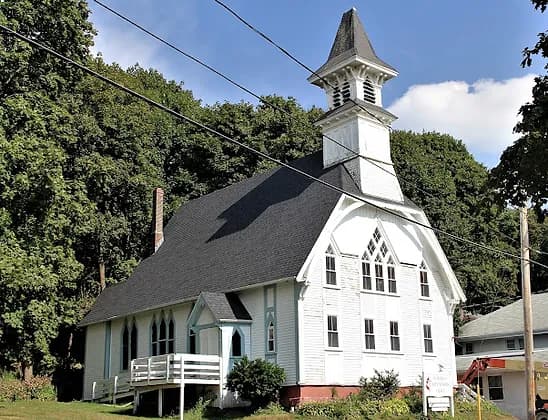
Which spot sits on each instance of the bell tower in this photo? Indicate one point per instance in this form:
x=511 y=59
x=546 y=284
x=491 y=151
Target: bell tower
x=352 y=79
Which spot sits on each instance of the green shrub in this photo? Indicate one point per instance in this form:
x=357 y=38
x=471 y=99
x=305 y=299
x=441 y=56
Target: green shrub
x=40 y=388
x=369 y=408
x=413 y=400
x=272 y=409
x=394 y=407
x=383 y=385
x=12 y=390
x=37 y=388
x=198 y=411
x=256 y=381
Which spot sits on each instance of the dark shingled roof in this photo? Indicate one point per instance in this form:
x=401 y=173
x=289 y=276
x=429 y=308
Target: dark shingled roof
x=225 y=306
x=351 y=40
x=256 y=231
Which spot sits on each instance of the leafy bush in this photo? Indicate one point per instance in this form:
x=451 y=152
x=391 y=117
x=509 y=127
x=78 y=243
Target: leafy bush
x=394 y=407
x=346 y=409
x=382 y=386
x=198 y=411
x=413 y=400
x=38 y=388
x=256 y=381
x=12 y=390
x=272 y=409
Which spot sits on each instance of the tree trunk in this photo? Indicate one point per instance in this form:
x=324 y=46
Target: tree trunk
x=102 y=281
x=26 y=368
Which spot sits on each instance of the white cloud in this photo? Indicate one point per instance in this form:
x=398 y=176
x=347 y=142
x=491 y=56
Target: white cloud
x=125 y=47
x=482 y=114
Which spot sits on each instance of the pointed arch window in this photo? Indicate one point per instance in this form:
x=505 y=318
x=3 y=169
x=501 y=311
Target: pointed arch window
x=423 y=274
x=366 y=272
x=330 y=267
x=129 y=344
x=368 y=91
x=271 y=338
x=377 y=257
x=162 y=335
x=236 y=344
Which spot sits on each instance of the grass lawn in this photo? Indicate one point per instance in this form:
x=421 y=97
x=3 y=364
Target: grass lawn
x=51 y=410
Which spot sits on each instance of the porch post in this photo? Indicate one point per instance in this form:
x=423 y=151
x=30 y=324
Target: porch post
x=160 y=402
x=182 y=400
x=135 y=401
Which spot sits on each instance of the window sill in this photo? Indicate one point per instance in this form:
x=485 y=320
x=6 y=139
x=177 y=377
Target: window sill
x=332 y=286
x=385 y=353
x=425 y=298
x=375 y=292
x=428 y=355
x=334 y=349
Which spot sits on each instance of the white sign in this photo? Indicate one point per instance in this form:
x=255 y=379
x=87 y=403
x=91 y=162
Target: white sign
x=438 y=384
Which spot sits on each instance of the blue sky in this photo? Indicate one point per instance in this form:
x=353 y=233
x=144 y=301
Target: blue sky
x=459 y=62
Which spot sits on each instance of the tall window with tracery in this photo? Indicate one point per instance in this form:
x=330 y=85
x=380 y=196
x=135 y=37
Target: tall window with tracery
x=129 y=344
x=330 y=268
x=425 y=287
x=162 y=335
x=377 y=257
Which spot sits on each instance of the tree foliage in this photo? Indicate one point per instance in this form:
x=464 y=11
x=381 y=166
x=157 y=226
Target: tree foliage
x=439 y=175
x=257 y=381
x=522 y=174
x=80 y=159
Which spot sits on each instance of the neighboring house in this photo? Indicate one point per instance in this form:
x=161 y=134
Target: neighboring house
x=282 y=268
x=497 y=340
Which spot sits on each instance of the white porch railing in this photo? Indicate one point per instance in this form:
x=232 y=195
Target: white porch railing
x=109 y=389
x=177 y=368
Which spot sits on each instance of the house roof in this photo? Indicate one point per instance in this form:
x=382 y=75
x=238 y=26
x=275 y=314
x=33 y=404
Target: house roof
x=508 y=320
x=225 y=306
x=351 y=40
x=253 y=232
x=464 y=362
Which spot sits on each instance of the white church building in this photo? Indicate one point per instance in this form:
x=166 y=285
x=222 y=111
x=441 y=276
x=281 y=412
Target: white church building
x=282 y=268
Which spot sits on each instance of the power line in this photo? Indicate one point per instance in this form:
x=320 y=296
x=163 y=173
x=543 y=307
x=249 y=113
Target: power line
x=253 y=150
x=293 y=58
x=372 y=161
x=237 y=84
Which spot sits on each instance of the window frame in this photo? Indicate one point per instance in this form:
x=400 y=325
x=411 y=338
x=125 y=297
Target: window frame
x=495 y=387
x=427 y=338
x=369 y=334
x=162 y=334
x=395 y=343
x=330 y=268
x=271 y=328
x=423 y=281
x=378 y=263
x=332 y=332
x=128 y=344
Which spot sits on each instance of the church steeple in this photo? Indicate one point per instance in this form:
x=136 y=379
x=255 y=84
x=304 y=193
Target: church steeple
x=352 y=78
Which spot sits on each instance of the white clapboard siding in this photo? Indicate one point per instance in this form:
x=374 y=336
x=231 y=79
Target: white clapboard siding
x=94 y=357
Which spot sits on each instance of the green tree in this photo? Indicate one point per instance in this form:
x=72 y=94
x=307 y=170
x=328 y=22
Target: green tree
x=441 y=176
x=522 y=174
x=41 y=212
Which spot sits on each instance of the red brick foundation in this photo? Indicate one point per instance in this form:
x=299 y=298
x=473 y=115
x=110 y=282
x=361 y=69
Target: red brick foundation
x=292 y=396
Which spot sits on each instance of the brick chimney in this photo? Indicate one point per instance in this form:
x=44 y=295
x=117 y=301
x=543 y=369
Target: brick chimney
x=158 y=218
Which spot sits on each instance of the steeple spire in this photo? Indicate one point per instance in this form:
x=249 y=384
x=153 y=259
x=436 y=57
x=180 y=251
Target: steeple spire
x=352 y=78
x=351 y=40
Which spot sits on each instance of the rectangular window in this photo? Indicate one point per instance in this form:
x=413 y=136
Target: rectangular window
x=425 y=288
x=394 y=336
x=428 y=343
x=369 y=335
x=330 y=272
x=495 y=388
x=391 y=279
x=379 y=283
x=468 y=348
x=332 y=331
x=366 y=276
x=521 y=344
x=511 y=344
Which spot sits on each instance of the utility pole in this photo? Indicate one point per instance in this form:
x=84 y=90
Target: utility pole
x=527 y=313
